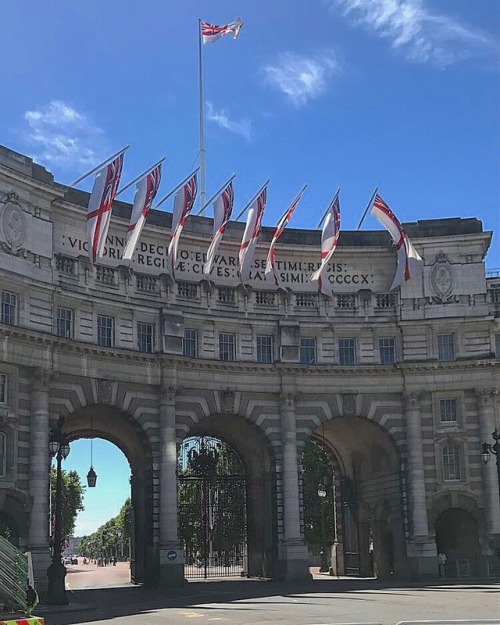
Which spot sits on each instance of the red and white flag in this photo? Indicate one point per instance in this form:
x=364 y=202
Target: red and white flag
x=251 y=234
x=183 y=203
x=280 y=226
x=329 y=241
x=100 y=204
x=211 y=33
x=145 y=192
x=223 y=207
x=410 y=264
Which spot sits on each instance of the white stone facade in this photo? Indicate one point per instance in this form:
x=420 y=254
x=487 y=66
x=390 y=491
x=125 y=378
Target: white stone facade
x=400 y=387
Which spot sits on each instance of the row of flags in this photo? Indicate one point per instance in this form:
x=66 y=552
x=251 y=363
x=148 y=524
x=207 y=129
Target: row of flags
x=104 y=191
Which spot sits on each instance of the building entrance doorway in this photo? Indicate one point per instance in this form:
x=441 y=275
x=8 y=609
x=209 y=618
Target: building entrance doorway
x=212 y=509
x=457 y=537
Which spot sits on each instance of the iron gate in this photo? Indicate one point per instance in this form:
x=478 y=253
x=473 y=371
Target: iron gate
x=212 y=509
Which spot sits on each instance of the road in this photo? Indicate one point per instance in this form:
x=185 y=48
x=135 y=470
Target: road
x=322 y=601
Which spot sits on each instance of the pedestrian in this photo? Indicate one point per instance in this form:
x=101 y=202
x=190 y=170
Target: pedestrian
x=442 y=564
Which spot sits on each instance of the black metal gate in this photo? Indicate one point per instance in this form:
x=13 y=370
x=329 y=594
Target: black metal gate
x=212 y=509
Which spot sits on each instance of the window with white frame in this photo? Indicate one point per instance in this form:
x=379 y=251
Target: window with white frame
x=347 y=351
x=387 y=350
x=9 y=308
x=308 y=351
x=3 y=389
x=64 y=322
x=105 y=331
x=448 y=410
x=446 y=347
x=3 y=454
x=227 y=346
x=452 y=470
x=190 y=343
x=145 y=337
x=265 y=349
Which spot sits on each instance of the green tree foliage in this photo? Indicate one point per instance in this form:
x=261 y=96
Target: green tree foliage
x=71 y=499
x=112 y=538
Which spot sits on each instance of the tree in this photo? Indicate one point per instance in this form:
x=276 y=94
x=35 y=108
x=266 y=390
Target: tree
x=71 y=499
x=112 y=538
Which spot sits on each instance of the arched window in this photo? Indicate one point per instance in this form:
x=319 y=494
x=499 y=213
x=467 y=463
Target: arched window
x=452 y=466
x=3 y=454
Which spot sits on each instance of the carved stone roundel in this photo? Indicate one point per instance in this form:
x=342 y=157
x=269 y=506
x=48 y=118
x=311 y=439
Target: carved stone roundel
x=442 y=281
x=13 y=225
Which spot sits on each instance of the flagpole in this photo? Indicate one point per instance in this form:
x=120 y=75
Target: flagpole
x=140 y=176
x=164 y=199
x=367 y=208
x=329 y=206
x=202 y=130
x=253 y=199
x=98 y=166
x=215 y=195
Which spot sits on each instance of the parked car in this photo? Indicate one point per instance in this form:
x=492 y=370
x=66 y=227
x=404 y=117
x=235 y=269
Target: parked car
x=67 y=560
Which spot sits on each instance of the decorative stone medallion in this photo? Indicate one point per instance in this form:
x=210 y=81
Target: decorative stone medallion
x=442 y=278
x=13 y=225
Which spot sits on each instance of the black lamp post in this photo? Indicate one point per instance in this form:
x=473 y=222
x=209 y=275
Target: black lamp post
x=495 y=450
x=59 y=448
x=322 y=496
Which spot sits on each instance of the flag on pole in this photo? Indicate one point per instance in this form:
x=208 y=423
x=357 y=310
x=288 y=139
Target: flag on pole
x=280 y=226
x=329 y=241
x=100 y=204
x=183 y=203
x=252 y=231
x=223 y=207
x=145 y=192
x=211 y=33
x=410 y=264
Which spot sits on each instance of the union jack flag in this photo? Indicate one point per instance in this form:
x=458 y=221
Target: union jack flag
x=183 y=204
x=211 y=33
x=252 y=231
x=223 y=207
x=100 y=204
x=329 y=241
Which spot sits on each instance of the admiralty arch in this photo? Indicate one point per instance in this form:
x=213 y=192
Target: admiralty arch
x=400 y=388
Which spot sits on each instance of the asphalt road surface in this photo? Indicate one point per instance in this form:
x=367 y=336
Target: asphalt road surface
x=322 y=601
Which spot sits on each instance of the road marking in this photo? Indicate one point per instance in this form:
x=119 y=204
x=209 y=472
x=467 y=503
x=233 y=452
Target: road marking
x=192 y=614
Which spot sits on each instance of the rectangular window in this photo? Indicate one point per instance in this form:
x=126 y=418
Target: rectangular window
x=497 y=345
x=446 y=346
x=347 y=351
x=64 y=322
x=308 y=351
x=3 y=389
x=3 y=454
x=105 y=331
x=227 y=349
x=451 y=463
x=190 y=343
x=448 y=410
x=9 y=308
x=265 y=349
x=387 y=349
x=145 y=337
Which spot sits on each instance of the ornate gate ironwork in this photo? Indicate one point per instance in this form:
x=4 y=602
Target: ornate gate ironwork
x=212 y=509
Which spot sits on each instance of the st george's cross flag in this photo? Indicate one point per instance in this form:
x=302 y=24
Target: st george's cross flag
x=183 y=203
x=410 y=264
x=211 y=33
x=223 y=207
x=329 y=241
x=100 y=204
x=280 y=226
x=145 y=192
x=251 y=234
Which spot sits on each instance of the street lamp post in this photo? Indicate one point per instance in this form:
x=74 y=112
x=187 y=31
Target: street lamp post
x=322 y=496
x=494 y=449
x=59 y=448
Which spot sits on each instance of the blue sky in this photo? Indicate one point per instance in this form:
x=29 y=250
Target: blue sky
x=403 y=94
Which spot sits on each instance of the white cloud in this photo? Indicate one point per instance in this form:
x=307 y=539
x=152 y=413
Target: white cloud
x=302 y=78
x=63 y=137
x=242 y=127
x=422 y=35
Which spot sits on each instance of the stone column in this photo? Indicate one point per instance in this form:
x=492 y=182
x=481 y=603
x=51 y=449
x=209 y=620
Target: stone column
x=293 y=554
x=171 y=553
x=416 y=482
x=486 y=406
x=40 y=478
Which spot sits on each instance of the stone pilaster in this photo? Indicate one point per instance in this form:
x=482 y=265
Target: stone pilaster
x=486 y=407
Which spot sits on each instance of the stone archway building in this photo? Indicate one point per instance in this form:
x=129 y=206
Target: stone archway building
x=154 y=361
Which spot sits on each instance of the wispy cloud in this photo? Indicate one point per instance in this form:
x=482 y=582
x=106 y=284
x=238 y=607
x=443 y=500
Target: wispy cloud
x=422 y=35
x=302 y=78
x=242 y=127
x=61 y=136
